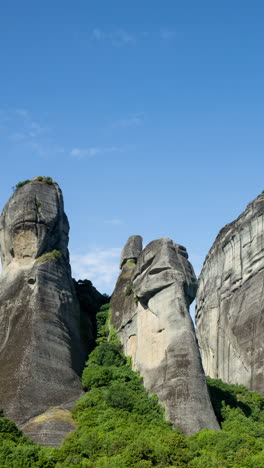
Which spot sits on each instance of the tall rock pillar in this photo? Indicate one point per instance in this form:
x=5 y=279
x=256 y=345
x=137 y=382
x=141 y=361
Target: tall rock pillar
x=42 y=352
x=150 y=310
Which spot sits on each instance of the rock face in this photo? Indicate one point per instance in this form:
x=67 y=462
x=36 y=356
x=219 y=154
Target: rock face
x=131 y=250
x=42 y=349
x=150 y=310
x=52 y=426
x=230 y=301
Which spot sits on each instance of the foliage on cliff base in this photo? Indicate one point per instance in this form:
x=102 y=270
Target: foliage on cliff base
x=121 y=426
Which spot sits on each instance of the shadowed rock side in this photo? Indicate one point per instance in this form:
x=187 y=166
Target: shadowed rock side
x=230 y=301
x=42 y=351
x=150 y=309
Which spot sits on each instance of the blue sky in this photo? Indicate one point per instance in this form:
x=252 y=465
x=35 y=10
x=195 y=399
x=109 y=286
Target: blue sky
x=149 y=114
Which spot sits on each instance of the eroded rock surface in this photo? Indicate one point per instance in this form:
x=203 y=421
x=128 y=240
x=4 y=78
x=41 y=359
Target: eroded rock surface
x=131 y=250
x=150 y=310
x=230 y=301
x=52 y=426
x=42 y=347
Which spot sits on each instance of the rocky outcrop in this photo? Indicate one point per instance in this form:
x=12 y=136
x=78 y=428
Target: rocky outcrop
x=131 y=250
x=42 y=346
x=230 y=301
x=52 y=426
x=150 y=310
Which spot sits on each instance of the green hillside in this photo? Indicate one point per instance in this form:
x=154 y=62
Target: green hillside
x=121 y=426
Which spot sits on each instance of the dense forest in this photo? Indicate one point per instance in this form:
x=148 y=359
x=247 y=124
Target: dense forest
x=121 y=426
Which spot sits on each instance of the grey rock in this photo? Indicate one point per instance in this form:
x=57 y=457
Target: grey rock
x=52 y=426
x=131 y=250
x=230 y=298
x=150 y=310
x=42 y=349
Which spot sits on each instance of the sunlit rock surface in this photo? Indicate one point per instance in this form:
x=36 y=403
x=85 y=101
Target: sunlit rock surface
x=52 y=426
x=150 y=309
x=230 y=301
x=42 y=347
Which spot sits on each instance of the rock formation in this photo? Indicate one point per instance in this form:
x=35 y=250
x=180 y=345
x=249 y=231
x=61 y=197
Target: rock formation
x=230 y=301
x=42 y=347
x=150 y=310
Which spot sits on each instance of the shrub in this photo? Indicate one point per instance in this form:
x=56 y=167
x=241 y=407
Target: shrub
x=49 y=180
x=221 y=392
x=129 y=289
x=21 y=184
x=46 y=180
x=54 y=255
x=107 y=354
x=96 y=376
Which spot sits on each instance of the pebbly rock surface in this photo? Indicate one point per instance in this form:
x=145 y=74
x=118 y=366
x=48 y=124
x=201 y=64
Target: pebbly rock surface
x=42 y=346
x=230 y=301
x=150 y=310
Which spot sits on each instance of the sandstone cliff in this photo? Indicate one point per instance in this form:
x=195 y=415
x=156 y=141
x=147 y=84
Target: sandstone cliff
x=42 y=347
x=150 y=310
x=230 y=301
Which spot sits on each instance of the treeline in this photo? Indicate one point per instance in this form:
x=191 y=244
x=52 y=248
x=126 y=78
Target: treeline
x=121 y=426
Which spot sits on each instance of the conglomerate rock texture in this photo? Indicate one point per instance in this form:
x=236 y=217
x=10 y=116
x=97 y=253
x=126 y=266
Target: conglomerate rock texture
x=230 y=301
x=150 y=310
x=42 y=347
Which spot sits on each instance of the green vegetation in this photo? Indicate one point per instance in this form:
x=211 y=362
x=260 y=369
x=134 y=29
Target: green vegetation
x=46 y=180
x=121 y=426
x=20 y=184
x=131 y=263
x=17 y=451
x=129 y=289
x=240 y=444
x=54 y=255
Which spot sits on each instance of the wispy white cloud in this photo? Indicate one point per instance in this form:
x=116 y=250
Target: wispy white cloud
x=129 y=122
x=46 y=149
x=17 y=136
x=114 y=221
x=19 y=127
x=24 y=113
x=120 y=37
x=167 y=34
x=92 y=151
x=116 y=37
x=31 y=128
x=98 y=34
x=101 y=266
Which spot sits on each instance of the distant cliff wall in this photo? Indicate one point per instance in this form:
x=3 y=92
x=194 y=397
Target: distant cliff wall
x=230 y=301
x=150 y=310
